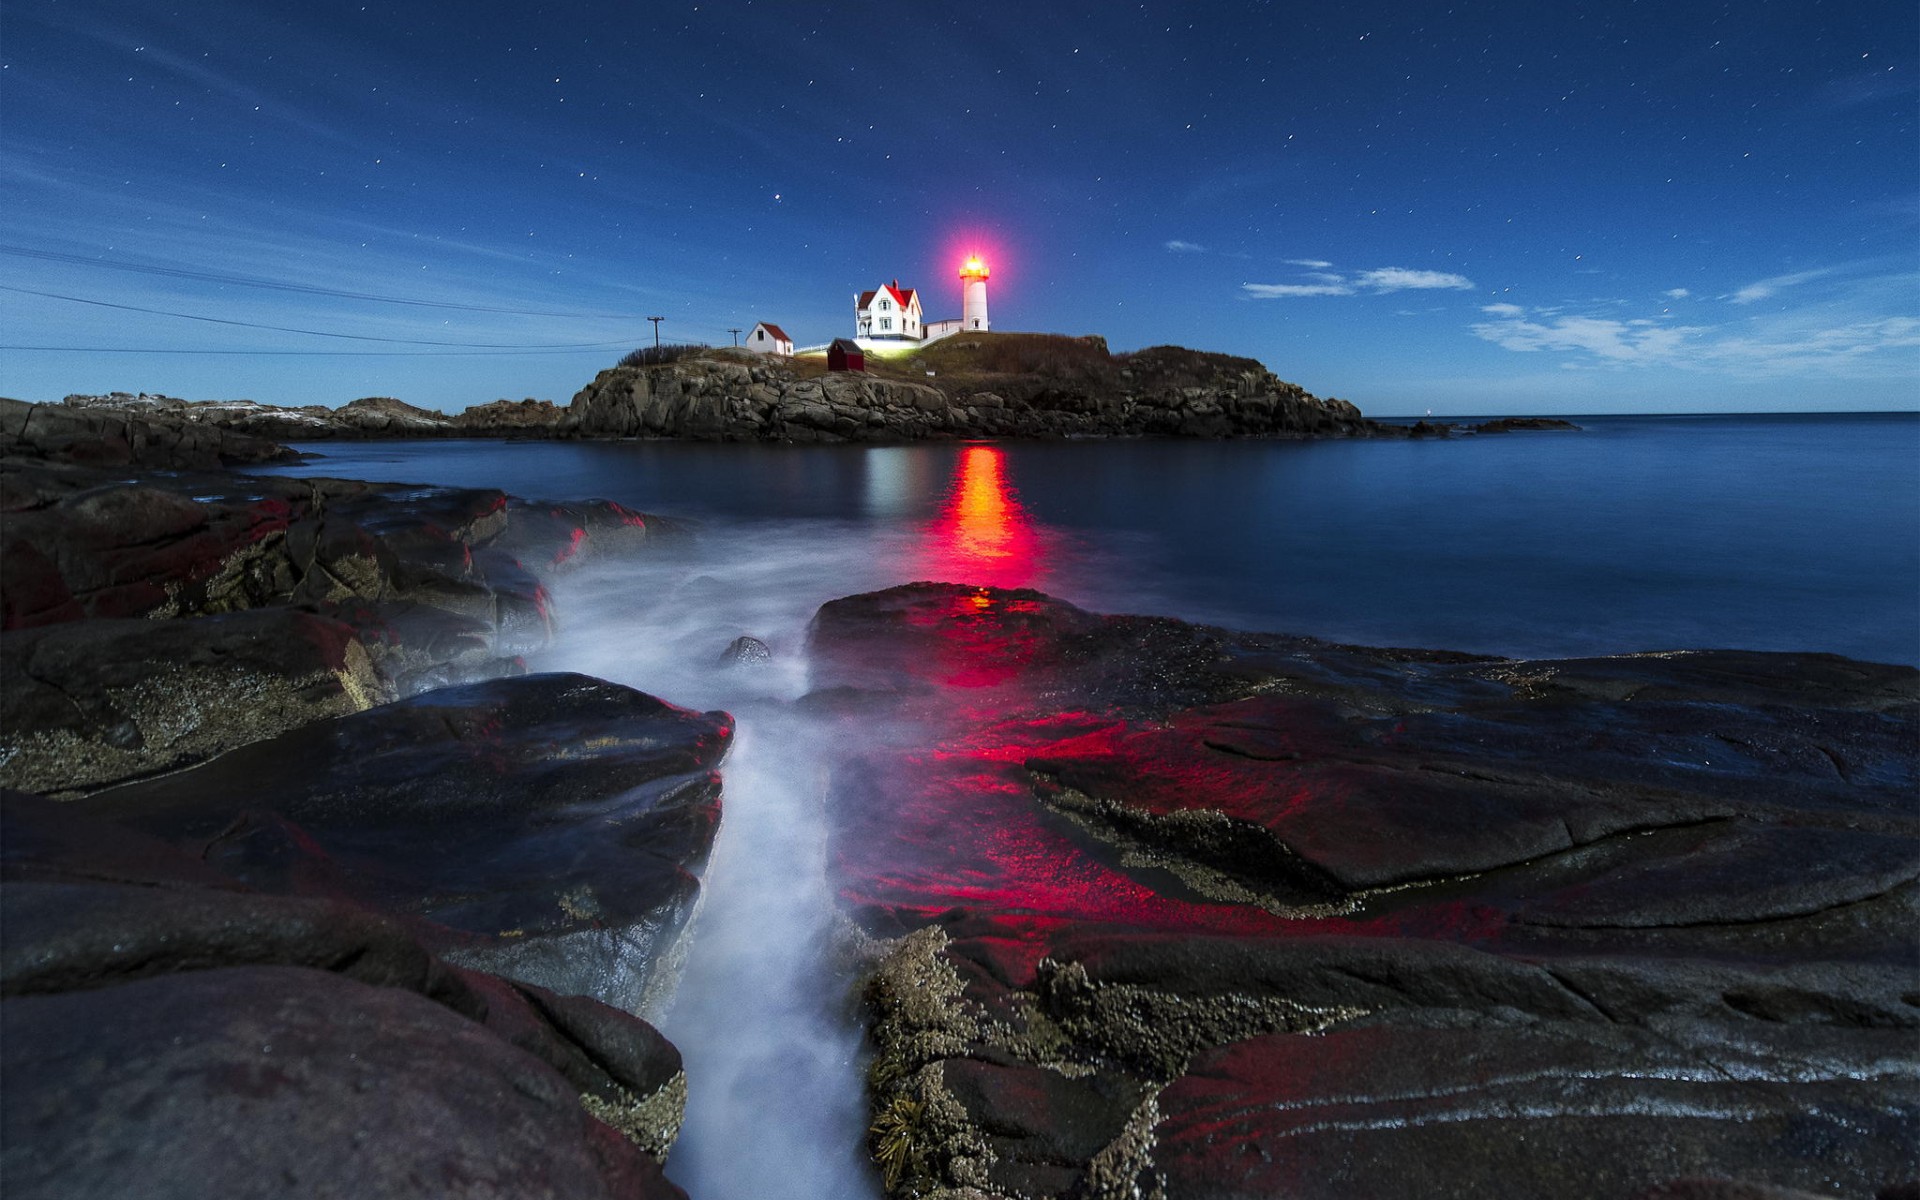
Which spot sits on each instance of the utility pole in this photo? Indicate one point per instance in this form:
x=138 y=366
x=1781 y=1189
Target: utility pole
x=656 y=332
x=736 y=336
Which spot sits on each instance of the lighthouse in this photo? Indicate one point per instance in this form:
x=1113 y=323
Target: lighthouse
x=973 y=294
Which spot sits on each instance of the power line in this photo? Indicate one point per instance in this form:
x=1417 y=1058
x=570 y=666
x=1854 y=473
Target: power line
x=310 y=353
x=305 y=289
x=357 y=337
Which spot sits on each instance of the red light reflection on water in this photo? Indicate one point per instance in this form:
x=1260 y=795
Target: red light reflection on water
x=983 y=535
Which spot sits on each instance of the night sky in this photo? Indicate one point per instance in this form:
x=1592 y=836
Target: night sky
x=1469 y=208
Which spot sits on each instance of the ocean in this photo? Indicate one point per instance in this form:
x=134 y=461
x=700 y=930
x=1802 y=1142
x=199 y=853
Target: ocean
x=1791 y=532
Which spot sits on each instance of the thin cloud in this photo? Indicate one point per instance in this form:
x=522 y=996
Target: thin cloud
x=1379 y=282
x=1312 y=264
x=1275 y=291
x=271 y=106
x=1800 y=343
x=1808 y=342
x=1176 y=246
x=1767 y=288
x=1676 y=293
x=1400 y=279
x=1868 y=87
x=1601 y=337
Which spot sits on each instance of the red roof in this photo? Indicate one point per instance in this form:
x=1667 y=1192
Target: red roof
x=900 y=297
x=778 y=333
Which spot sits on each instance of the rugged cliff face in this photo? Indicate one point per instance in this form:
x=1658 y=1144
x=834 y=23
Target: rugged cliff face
x=737 y=402
x=127 y=435
x=986 y=385
x=1165 y=392
x=367 y=417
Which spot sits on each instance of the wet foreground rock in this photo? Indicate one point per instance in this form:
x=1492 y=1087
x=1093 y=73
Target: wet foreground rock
x=546 y=827
x=168 y=1032
x=1183 y=912
x=308 y=920
x=151 y=619
x=263 y=975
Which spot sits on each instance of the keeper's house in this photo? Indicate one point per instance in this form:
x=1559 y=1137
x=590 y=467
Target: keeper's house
x=888 y=313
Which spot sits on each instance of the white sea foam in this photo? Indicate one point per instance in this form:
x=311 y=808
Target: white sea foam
x=773 y=1049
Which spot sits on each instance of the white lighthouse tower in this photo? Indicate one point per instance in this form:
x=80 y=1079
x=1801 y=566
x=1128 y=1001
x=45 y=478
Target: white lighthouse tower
x=973 y=293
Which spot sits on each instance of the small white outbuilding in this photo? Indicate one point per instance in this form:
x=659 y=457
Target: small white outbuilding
x=769 y=339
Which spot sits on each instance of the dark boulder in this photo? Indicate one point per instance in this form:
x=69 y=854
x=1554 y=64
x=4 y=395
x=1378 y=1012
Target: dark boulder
x=270 y=1081
x=107 y=546
x=545 y=827
x=89 y=703
x=166 y=1032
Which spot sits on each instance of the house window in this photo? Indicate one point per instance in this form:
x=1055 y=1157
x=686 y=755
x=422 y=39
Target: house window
x=885 y=305
x=762 y=335
x=886 y=322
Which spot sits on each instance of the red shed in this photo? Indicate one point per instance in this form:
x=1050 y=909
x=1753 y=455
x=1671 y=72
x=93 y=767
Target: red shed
x=846 y=355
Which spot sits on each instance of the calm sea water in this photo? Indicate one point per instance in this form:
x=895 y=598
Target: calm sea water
x=1637 y=533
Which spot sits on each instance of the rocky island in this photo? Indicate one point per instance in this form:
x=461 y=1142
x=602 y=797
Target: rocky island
x=310 y=888
x=977 y=386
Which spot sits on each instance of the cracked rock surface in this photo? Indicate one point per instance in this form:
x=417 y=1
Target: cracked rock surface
x=1185 y=912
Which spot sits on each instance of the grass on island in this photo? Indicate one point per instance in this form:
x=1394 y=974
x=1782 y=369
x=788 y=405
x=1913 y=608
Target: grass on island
x=975 y=361
x=669 y=352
